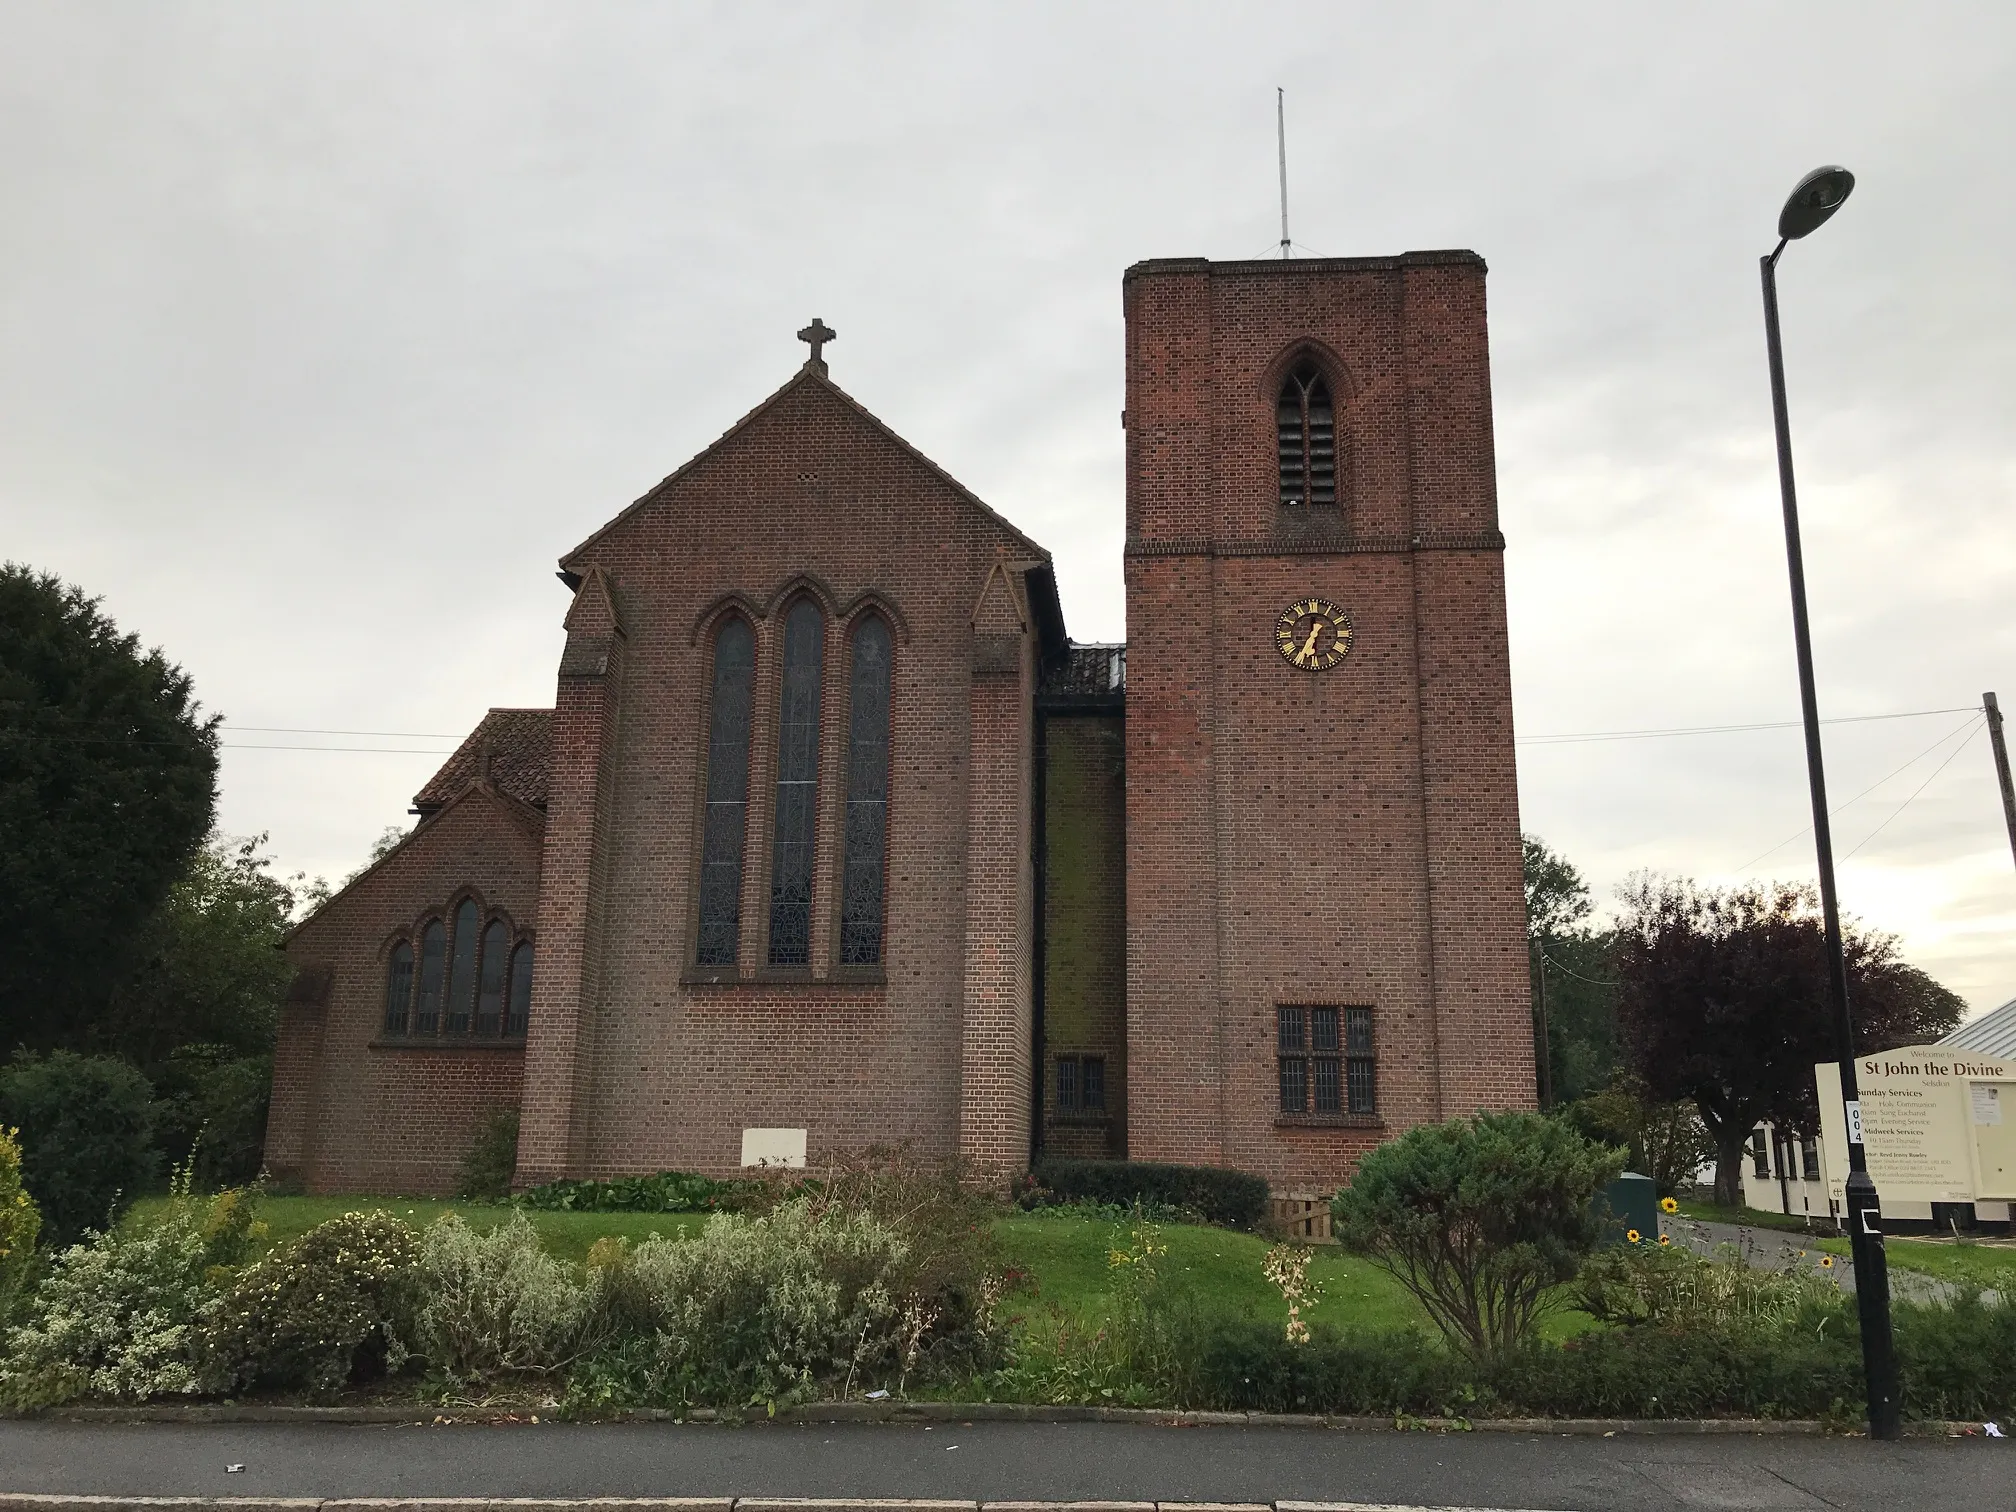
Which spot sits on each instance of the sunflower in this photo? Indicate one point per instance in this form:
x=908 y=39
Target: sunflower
x=1668 y=1205
x=1665 y=1238
x=1826 y=1262
x=1633 y=1235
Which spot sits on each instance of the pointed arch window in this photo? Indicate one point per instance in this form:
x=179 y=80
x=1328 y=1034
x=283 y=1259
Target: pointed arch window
x=867 y=796
x=433 y=956
x=490 y=979
x=1306 y=422
x=399 y=988
x=727 y=796
x=518 y=1005
x=462 y=968
x=797 y=786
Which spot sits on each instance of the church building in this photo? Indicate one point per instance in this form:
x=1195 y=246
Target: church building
x=832 y=836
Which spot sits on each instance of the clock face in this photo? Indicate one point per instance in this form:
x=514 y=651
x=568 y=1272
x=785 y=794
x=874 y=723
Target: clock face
x=1314 y=634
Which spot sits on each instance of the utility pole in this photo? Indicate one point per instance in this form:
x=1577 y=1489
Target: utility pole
x=1994 y=712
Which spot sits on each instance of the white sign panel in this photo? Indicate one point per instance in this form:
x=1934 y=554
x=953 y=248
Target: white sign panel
x=774 y=1148
x=1931 y=1124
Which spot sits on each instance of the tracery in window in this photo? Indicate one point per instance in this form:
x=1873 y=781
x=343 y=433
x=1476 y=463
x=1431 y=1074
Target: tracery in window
x=490 y=979
x=867 y=797
x=399 y=988
x=433 y=954
x=727 y=795
x=797 y=786
x=518 y=1007
x=1306 y=422
x=462 y=968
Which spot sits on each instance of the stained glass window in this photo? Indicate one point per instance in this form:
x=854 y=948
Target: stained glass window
x=490 y=979
x=867 y=796
x=399 y=988
x=462 y=968
x=518 y=1007
x=727 y=796
x=433 y=953
x=1307 y=428
x=797 y=786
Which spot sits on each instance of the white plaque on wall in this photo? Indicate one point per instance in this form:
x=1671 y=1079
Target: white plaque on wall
x=773 y=1147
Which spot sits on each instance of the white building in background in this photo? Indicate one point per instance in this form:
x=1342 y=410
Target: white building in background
x=1786 y=1174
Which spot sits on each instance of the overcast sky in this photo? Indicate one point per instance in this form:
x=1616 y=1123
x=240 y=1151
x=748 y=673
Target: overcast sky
x=324 y=330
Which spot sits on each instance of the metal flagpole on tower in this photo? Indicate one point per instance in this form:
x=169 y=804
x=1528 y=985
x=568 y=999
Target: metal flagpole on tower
x=1281 y=136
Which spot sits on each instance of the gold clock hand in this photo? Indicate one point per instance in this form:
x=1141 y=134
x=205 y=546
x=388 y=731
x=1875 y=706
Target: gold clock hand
x=1309 y=646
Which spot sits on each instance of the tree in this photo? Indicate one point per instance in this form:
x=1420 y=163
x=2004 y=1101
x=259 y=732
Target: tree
x=1724 y=1002
x=1479 y=1218
x=108 y=780
x=86 y=1125
x=208 y=967
x=1574 y=988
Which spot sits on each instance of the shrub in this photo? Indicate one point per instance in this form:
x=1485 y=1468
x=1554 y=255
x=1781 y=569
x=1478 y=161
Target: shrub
x=493 y=1158
x=1670 y=1287
x=20 y=1223
x=1250 y=1366
x=120 y=1316
x=667 y=1192
x=335 y=1305
x=1958 y=1361
x=1232 y=1198
x=494 y=1302
x=1479 y=1218
x=210 y=1103
x=86 y=1136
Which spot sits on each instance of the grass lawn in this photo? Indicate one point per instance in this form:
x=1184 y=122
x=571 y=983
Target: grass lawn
x=1970 y=1264
x=1792 y=1223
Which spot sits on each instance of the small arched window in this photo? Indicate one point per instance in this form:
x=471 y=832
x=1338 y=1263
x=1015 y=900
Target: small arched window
x=490 y=979
x=1306 y=422
x=867 y=796
x=433 y=954
x=399 y=988
x=797 y=785
x=727 y=796
x=518 y=1006
x=462 y=968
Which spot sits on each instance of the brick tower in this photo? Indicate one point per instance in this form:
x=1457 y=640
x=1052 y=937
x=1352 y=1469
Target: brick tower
x=1325 y=936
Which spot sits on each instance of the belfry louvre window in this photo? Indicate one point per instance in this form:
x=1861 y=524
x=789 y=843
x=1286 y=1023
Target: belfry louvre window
x=727 y=795
x=861 y=882
x=1326 y=1060
x=797 y=786
x=1306 y=422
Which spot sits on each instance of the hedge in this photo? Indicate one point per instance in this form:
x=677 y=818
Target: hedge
x=1232 y=1198
x=666 y=1192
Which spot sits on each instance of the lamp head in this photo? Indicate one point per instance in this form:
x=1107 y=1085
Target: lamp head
x=1816 y=197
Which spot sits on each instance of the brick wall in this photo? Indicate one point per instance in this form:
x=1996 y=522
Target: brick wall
x=353 y=1112
x=809 y=496
x=1346 y=837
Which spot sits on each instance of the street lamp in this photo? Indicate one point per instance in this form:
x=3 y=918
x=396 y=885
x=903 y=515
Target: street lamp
x=1813 y=201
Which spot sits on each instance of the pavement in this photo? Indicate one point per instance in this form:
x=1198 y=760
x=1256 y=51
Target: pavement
x=995 y=1461
x=1781 y=1249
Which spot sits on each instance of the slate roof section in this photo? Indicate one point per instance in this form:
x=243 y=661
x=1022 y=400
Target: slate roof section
x=1085 y=673
x=1994 y=1033
x=520 y=746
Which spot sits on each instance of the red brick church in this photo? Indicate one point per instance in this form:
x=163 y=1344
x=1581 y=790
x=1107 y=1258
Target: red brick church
x=833 y=836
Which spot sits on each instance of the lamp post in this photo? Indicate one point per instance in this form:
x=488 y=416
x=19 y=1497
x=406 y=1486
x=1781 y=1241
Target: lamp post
x=1818 y=196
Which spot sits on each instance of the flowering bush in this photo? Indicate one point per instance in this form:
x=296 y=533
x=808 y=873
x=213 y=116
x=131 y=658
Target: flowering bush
x=761 y=1311
x=495 y=1302
x=20 y=1222
x=1669 y=1287
x=1287 y=1266
x=334 y=1305
x=120 y=1316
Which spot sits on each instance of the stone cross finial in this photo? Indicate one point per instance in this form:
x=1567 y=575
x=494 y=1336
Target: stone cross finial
x=816 y=335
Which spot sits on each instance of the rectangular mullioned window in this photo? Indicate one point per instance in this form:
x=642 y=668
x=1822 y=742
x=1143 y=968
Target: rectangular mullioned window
x=1325 y=1060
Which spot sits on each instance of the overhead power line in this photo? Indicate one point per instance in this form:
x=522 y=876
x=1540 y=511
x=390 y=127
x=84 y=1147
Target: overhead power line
x=1726 y=729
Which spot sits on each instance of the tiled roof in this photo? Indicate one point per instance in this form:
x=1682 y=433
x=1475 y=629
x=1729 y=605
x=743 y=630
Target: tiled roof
x=1994 y=1033
x=520 y=746
x=1086 y=671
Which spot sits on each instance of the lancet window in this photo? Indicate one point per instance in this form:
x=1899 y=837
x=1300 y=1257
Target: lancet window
x=797 y=785
x=727 y=795
x=867 y=825
x=474 y=980
x=1306 y=424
